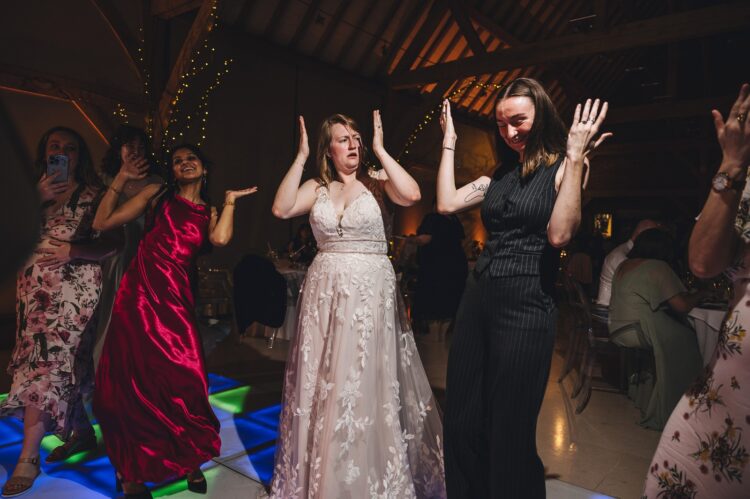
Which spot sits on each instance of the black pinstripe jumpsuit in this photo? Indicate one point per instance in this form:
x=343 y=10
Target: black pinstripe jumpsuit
x=501 y=351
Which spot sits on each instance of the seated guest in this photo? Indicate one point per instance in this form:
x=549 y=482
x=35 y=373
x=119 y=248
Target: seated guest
x=578 y=265
x=442 y=271
x=615 y=258
x=303 y=248
x=650 y=302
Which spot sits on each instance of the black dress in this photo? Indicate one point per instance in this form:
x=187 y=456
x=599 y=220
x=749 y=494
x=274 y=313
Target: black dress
x=502 y=347
x=442 y=268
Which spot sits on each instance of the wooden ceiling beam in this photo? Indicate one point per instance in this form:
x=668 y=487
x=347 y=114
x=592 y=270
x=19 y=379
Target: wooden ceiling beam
x=670 y=110
x=58 y=87
x=655 y=31
x=278 y=14
x=401 y=34
x=378 y=36
x=333 y=23
x=461 y=16
x=312 y=9
x=355 y=31
x=202 y=25
x=167 y=9
x=122 y=34
x=433 y=20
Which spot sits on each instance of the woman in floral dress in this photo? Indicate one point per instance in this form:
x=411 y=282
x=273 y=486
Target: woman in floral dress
x=56 y=299
x=704 y=450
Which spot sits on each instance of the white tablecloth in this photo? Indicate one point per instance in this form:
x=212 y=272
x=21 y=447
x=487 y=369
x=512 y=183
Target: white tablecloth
x=707 y=323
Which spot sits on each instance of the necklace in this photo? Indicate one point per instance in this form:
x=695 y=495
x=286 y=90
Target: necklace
x=339 y=228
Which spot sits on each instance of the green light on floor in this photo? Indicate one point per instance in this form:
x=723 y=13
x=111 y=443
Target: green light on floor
x=50 y=442
x=3 y=396
x=181 y=484
x=232 y=401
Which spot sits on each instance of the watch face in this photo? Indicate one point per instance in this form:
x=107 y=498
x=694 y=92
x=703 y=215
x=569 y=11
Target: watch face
x=720 y=182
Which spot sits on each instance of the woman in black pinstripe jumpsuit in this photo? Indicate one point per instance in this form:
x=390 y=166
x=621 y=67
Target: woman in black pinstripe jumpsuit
x=504 y=334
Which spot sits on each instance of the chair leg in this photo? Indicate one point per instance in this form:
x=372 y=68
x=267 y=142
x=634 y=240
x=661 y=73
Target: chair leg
x=582 y=371
x=569 y=355
x=586 y=385
x=571 y=350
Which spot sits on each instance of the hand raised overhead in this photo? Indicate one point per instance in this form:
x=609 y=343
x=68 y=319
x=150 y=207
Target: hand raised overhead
x=446 y=123
x=587 y=120
x=303 y=150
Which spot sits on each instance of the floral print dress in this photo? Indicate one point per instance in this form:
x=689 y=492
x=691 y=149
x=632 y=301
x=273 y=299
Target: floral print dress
x=51 y=364
x=704 y=450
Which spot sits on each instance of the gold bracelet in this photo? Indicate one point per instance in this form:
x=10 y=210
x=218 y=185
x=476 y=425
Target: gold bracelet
x=228 y=203
x=115 y=190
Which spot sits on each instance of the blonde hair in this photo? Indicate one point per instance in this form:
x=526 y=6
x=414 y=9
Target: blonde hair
x=327 y=171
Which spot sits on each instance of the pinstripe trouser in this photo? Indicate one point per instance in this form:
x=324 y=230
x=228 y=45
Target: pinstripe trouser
x=498 y=367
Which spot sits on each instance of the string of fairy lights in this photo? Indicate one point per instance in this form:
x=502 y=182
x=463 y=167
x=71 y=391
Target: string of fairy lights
x=429 y=115
x=184 y=124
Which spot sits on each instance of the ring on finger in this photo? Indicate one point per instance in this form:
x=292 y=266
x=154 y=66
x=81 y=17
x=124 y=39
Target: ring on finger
x=741 y=117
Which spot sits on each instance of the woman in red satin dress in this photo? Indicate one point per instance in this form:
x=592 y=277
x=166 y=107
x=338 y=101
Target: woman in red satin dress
x=151 y=396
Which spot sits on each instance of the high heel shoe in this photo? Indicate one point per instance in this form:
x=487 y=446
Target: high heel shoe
x=141 y=494
x=76 y=444
x=17 y=485
x=196 y=482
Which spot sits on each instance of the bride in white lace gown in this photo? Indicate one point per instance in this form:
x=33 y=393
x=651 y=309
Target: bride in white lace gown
x=358 y=416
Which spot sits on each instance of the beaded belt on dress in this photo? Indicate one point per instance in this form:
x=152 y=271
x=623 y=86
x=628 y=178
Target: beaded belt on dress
x=366 y=246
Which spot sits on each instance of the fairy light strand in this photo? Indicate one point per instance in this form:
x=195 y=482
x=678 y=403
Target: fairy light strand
x=429 y=115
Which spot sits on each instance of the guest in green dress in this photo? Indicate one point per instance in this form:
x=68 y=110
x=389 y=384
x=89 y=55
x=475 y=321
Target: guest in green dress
x=648 y=309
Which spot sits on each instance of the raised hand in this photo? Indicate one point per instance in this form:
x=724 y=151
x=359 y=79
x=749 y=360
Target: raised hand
x=231 y=196
x=303 y=149
x=734 y=133
x=57 y=255
x=586 y=123
x=446 y=123
x=49 y=189
x=134 y=167
x=377 y=131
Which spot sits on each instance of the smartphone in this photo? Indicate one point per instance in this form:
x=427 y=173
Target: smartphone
x=58 y=163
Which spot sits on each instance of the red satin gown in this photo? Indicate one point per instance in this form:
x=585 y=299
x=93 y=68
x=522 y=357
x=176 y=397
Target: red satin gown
x=151 y=396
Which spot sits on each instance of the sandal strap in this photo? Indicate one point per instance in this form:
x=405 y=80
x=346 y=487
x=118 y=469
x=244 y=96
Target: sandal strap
x=29 y=460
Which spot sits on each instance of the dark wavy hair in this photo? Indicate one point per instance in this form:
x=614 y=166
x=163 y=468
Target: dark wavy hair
x=85 y=173
x=654 y=244
x=124 y=135
x=547 y=139
x=169 y=188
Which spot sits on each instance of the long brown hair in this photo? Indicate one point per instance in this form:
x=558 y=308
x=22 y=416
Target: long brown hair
x=85 y=173
x=546 y=140
x=327 y=171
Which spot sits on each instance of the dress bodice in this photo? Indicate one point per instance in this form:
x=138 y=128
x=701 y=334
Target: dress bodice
x=516 y=212
x=180 y=231
x=358 y=229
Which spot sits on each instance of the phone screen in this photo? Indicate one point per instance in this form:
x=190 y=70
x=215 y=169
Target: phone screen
x=58 y=163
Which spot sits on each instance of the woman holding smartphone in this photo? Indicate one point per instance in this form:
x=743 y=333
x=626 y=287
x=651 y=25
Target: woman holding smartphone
x=56 y=296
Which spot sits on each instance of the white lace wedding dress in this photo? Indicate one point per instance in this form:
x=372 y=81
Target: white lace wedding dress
x=359 y=419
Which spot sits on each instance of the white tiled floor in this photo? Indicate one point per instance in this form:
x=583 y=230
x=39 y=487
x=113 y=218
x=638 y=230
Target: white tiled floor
x=601 y=452
x=597 y=454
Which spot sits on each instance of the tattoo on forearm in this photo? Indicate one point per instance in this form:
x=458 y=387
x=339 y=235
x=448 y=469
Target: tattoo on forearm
x=477 y=191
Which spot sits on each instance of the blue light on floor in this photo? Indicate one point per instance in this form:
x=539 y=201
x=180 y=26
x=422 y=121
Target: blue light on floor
x=92 y=470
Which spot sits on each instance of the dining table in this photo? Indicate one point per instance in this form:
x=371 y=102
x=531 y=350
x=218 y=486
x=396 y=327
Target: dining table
x=707 y=321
